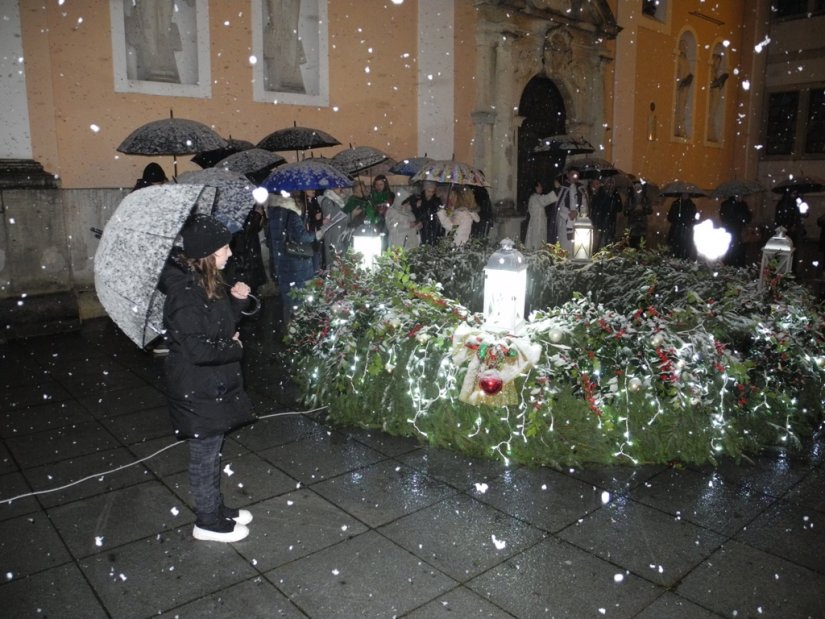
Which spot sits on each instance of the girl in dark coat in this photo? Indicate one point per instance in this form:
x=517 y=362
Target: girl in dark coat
x=204 y=383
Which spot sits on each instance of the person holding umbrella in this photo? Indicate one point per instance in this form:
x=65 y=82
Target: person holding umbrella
x=203 y=370
x=682 y=217
x=735 y=215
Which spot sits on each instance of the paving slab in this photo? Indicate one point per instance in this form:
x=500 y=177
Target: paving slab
x=794 y=532
x=140 y=426
x=85 y=476
x=741 y=581
x=382 y=492
x=384 y=443
x=810 y=491
x=703 y=499
x=15 y=485
x=772 y=475
x=57 y=592
x=618 y=479
x=60 y=444
x=453 y=468
x=165 y=571
x=459 y=602
x=41 y=417
x=124 y=401
x=649 y=543
x=95 y=376
x=671 y=606
x=43 y=391
x=7 y=463
x=366 y=576
x=462 y=537
x=320 y=457
x=29 y=544
x=292 y=526
x=276 y=431
x=556 y=579
x=97 y=524
x=256 y=597
x=545 y=498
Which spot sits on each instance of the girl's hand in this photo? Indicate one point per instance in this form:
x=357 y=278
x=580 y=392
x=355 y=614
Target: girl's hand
x=240 y=291
x=237 y=338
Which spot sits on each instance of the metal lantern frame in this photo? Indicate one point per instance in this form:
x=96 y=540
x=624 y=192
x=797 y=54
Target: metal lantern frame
x=367 y=241
x=582 y=239
x=505 y=288
x=778 y=251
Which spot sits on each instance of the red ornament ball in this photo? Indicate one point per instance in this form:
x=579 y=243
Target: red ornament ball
x=490 y=384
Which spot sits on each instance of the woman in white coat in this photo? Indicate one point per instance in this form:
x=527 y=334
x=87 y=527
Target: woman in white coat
x=536 y=207
x=459 y=214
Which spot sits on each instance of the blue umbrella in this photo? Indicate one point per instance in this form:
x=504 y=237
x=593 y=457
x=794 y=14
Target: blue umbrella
x=306 y=174
x=411 y=166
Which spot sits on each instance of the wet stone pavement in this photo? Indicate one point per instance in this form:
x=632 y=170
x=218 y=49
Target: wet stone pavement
x=350 y=523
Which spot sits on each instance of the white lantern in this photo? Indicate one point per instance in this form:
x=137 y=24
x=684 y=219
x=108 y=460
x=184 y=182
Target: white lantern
x=505 y=288
x=367 y=242
x=582 y=239
x=777 y=257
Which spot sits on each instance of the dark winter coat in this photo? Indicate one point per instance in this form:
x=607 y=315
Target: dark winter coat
x=682 y=217
x=285 y=223
x=204 y=383
x=426 y=213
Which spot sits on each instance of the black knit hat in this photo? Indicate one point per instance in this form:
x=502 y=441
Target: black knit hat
x=203 y=236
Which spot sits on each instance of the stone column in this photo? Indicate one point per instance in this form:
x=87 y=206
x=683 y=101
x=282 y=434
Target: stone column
x=503 y=142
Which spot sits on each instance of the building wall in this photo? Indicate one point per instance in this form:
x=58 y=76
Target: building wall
x=78 y=119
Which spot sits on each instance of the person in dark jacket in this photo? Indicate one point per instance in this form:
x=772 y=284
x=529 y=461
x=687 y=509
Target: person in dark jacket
x=425 y=207
x=286 y=223
x=246 y=263
x=204 y=383
x=153 y=174
x=682 y=218
x=735 y=216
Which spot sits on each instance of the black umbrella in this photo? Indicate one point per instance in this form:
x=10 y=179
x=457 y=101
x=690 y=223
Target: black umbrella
x=676 y=188
x=736 y=187
x=252 y=161
x=297 y=138
x=411 y=166
x=802 y=184
x=209 y=158
x=354 y=160
x=563 y=143
x=171 y=136
x=592 y=167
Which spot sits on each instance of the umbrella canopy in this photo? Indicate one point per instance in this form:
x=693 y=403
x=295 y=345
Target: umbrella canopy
x=736 y=187
x=133 y=250
x=233 y=199
x=411 y=166
x=676 y=188
x=592 y=167
x=802 y=184
x=451 y=171
x=563 y=143
x=297 y=138
x=209 y=158
x=250 y=161
x=171 y=136
x=306 y=174
x=353 y=160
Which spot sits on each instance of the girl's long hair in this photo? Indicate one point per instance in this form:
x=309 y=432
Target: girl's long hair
x=208 y=275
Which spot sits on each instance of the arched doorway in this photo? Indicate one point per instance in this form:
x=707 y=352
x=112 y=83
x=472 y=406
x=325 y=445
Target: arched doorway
x=543 y=110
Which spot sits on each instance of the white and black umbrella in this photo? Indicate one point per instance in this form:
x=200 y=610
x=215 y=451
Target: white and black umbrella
x=297 y=138
x=171 y=136
x=252 y=161
x=209 y=158
x=451 y=172
x=234 y=197
x=563 y=143
x=133 y=250
x=802 y=184
x=355 y=159
x=736 y=187
x=676 y=188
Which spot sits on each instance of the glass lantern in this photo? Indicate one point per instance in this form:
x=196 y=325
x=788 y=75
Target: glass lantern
x=777 y=257
x=368 y=242
x=582 y=239
x=505 y=288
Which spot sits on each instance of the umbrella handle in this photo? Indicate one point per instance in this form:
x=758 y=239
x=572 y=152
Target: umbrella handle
x=257 y=305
